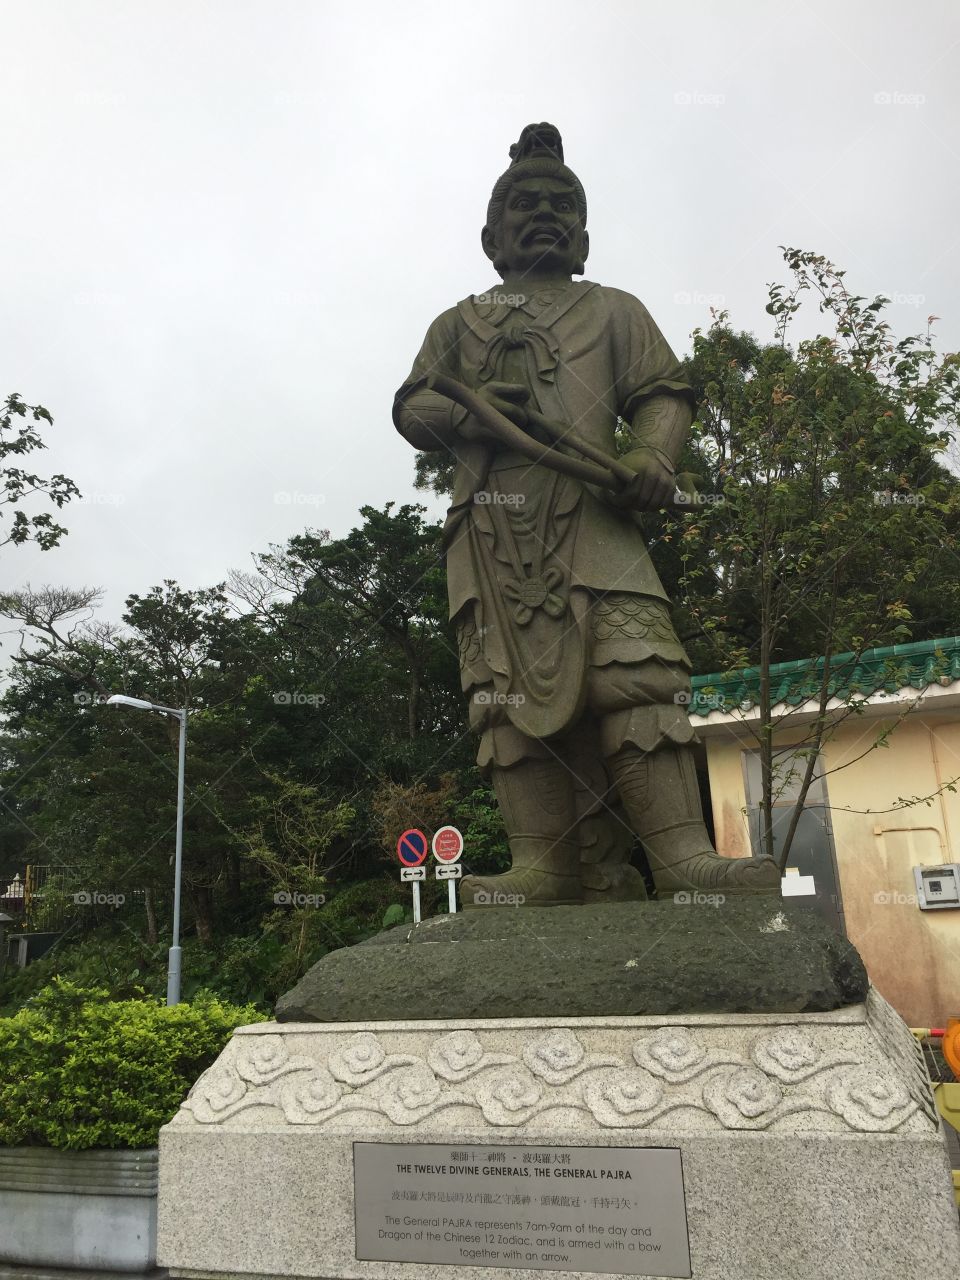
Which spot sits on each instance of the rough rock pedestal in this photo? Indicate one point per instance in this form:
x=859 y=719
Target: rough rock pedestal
x=710 y=955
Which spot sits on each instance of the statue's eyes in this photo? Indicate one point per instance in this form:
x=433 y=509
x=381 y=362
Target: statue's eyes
x=522 y=203
x=564 y=206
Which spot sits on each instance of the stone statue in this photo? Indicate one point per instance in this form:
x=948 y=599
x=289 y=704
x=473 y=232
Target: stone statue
x=577 y=681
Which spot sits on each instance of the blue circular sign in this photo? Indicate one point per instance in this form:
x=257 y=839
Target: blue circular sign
x=412 y=848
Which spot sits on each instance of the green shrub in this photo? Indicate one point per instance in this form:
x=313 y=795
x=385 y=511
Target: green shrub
x=394 y=914
x=253 y=968
x=486 y=849
x=80 y=1070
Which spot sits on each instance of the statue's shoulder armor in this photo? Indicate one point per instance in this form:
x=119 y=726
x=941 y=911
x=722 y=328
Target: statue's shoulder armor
x=617 y=299
x=448 y=320
x=480 y=310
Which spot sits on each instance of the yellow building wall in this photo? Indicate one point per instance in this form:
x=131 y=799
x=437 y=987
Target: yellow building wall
x=728 y=797
x=912 y=956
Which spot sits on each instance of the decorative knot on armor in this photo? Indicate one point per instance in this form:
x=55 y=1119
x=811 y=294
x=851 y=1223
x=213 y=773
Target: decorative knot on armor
x=541 y=344
x=537 y=592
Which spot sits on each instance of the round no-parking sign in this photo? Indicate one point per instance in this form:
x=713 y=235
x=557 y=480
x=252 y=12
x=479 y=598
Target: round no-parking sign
x=412 y=847
x=447 y=844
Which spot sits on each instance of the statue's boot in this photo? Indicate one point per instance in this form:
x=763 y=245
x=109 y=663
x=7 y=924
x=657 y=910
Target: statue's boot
x=606 y=845
x=535 y=798
x=545 y=873
x=659 y=791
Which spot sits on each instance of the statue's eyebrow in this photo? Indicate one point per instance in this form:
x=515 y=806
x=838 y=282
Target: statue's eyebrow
x=531 y=189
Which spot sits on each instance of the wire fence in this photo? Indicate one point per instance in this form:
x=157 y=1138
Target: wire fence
x=47 y=898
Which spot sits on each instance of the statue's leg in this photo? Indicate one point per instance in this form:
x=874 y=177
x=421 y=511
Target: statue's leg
x=659 y=791
x=603 y=829
x=536 y=801
x=606 y=847
x=646 y=739
x=534 y=790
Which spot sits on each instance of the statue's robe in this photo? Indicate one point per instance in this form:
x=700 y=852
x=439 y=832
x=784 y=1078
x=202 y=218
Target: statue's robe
x=550 y=586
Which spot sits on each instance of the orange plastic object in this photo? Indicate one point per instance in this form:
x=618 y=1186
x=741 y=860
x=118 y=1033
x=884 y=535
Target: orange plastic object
x=951 y=1046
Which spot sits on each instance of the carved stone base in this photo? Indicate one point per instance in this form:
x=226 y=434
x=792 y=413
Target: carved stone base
x=810 y=1143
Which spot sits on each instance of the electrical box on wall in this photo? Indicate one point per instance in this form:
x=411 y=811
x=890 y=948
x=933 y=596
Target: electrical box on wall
x=938 y=887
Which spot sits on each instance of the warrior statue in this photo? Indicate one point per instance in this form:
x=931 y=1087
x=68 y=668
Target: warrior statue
x=577 y=682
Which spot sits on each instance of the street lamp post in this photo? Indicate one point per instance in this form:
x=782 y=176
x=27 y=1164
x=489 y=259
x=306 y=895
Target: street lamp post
x=173 y=963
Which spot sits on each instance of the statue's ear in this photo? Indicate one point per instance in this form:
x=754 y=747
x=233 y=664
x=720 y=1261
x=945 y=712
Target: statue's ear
x=489 y=244
x=585 y=247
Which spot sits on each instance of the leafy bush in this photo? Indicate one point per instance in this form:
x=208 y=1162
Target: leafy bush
x=393 y=915
x=129 y=969
x=485 y=846
x=119 y=962
x=80 y=1070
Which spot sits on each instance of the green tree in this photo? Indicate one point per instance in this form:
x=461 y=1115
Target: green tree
x=95 y=786
x=383 y=586
x=299 y=687
x=17 y=440
x=827 y=522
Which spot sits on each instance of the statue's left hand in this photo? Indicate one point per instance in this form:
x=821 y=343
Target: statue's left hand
x=652 y=486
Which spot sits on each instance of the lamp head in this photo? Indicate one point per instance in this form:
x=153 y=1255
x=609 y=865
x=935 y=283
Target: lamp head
x=121 y=700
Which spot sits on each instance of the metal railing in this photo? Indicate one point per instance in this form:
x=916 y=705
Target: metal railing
x=50 y=898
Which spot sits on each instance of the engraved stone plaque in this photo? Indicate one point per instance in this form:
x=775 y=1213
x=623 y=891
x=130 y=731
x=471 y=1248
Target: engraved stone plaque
x=618 y=1210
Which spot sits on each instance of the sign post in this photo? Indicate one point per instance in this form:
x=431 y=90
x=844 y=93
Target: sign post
x=447 y=849
x=412 y=852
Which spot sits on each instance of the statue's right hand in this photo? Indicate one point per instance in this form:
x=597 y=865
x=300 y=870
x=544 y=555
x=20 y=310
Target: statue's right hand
x=508 y=398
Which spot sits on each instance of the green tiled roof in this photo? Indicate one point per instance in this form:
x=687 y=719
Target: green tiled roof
x=900 y=666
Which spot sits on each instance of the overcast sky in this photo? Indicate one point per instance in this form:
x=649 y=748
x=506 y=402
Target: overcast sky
x=226 y=225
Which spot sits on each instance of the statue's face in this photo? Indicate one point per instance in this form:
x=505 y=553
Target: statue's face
x=541 y=226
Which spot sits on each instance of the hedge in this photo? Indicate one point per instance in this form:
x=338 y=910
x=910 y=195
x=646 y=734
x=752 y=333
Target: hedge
x=80 y=1070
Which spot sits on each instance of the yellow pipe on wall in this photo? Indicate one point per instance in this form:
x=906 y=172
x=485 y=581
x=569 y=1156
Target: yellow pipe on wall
x=947 y=1096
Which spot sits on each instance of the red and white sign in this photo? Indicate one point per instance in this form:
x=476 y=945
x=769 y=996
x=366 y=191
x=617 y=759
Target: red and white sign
x=447 y=844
